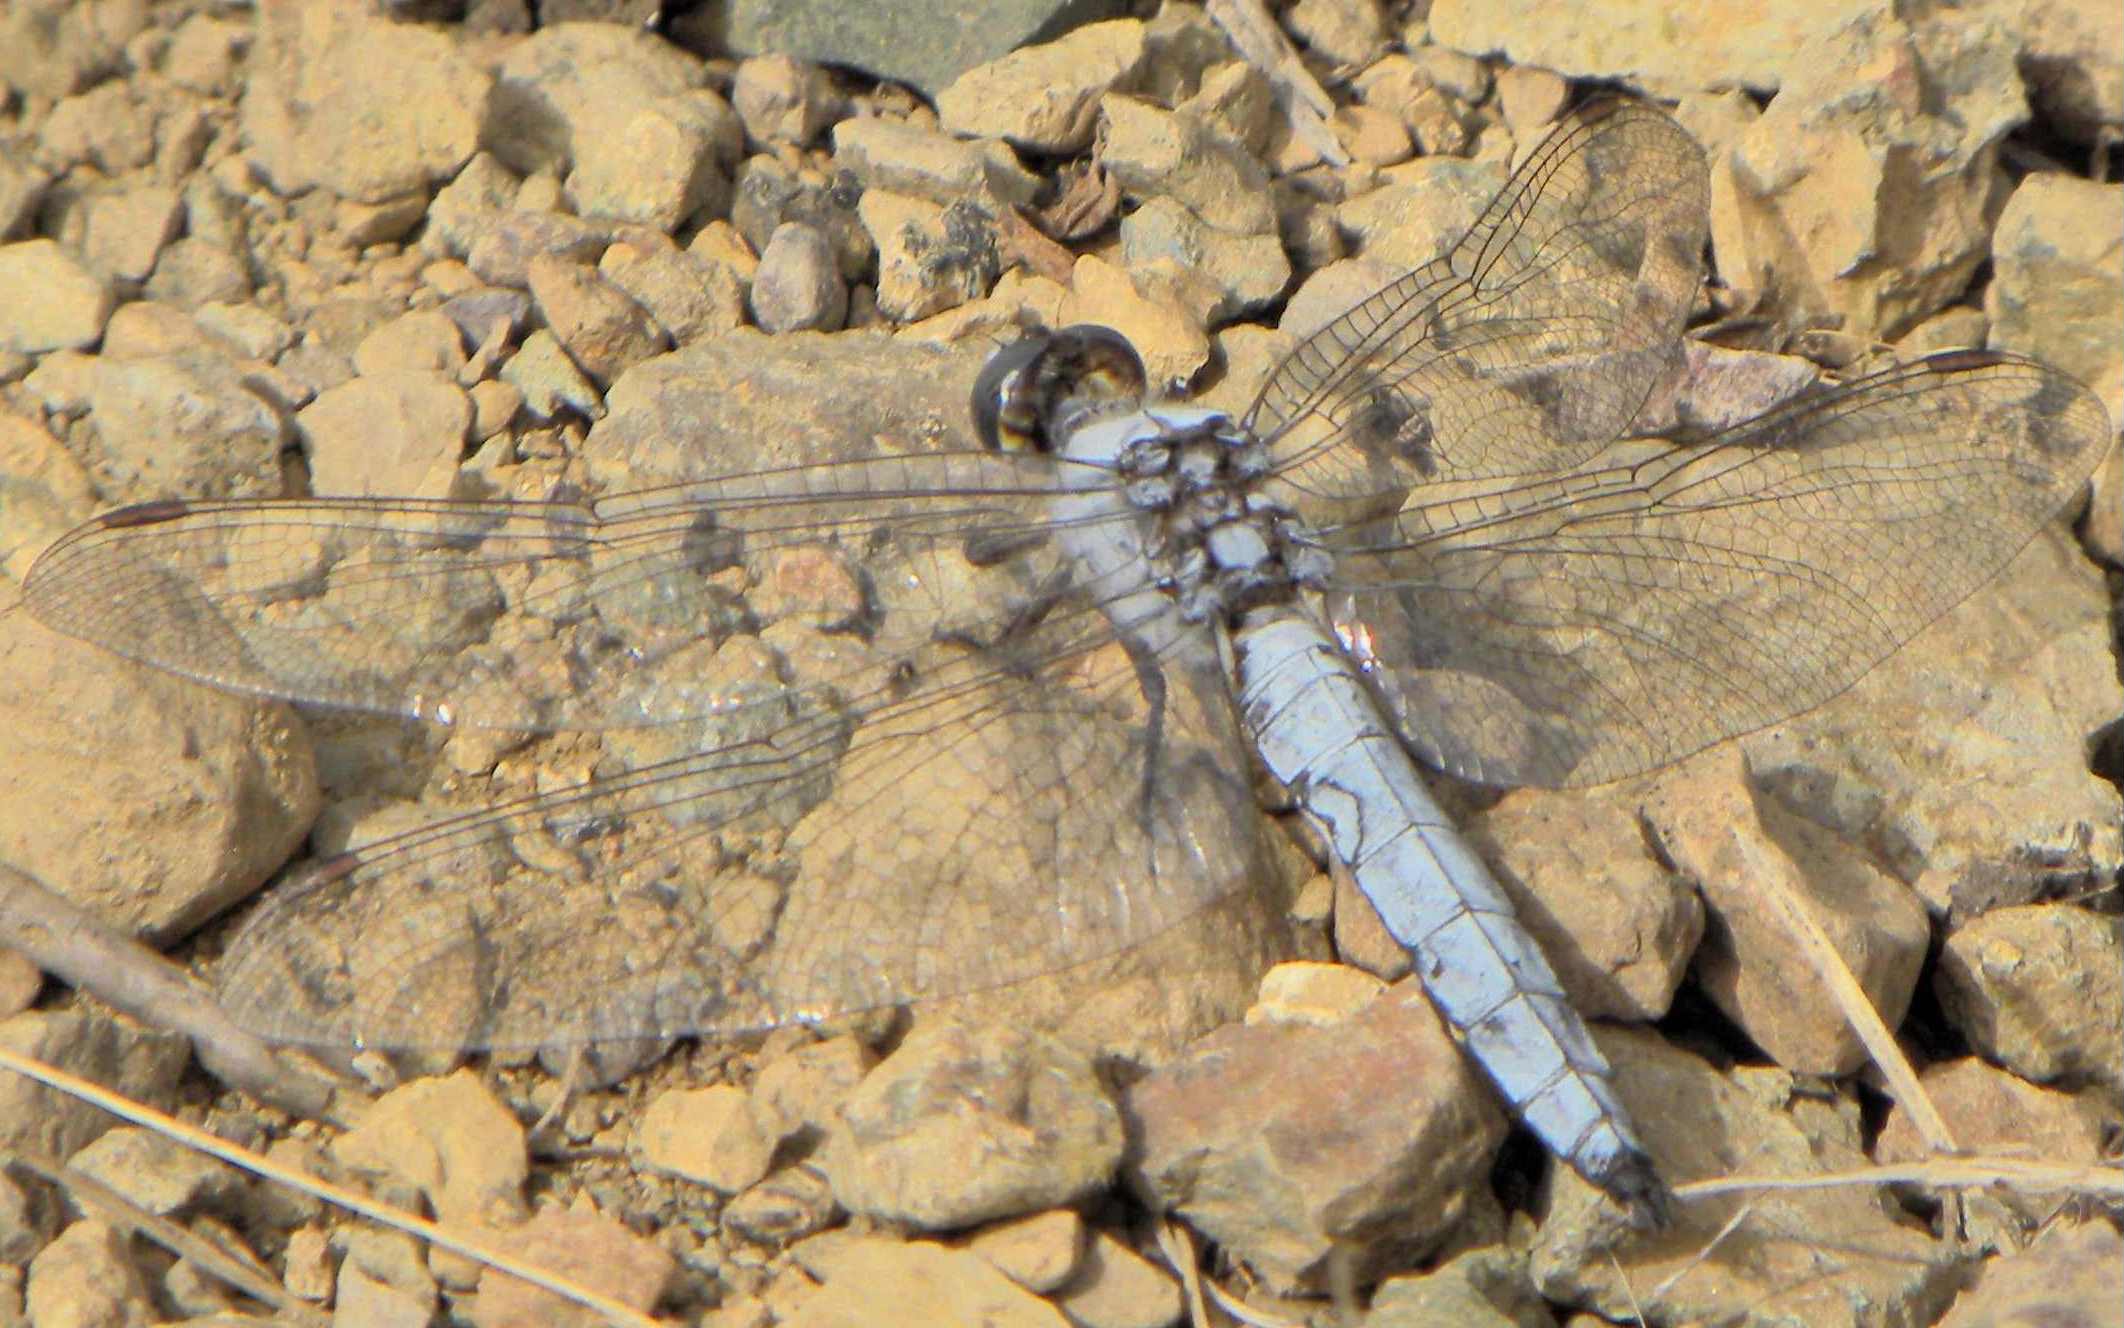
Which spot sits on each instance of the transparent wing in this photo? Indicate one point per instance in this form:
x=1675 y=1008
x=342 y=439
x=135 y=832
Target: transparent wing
x=1617 y=616
x=529 y=615
x=896 y=749
x=1525 y=347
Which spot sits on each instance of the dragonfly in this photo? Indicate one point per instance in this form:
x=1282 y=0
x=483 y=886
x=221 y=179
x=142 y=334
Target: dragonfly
x=914 y=724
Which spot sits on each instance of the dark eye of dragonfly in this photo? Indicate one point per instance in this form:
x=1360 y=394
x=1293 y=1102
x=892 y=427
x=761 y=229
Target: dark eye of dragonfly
x=1035 y=390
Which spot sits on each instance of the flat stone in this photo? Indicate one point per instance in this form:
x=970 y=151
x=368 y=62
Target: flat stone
x=54 y=300
x=584 y=1246
x=910 y=159
x=156 y=1173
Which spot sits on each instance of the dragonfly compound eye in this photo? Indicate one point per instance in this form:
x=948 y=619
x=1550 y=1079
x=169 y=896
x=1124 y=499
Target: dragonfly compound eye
x=1046 y=384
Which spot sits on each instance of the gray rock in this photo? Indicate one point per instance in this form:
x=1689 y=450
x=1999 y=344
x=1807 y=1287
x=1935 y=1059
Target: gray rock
x=905 y=41
x=797 y=288
x=53 y=300
x=193 y=272
x=1249 y=271
x=770 y=193
x=511 y=242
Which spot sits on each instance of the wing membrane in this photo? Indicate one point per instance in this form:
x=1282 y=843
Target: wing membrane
x=1526 y=346
x=1615 y=617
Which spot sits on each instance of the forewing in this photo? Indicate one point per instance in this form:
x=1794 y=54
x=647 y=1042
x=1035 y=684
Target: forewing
x=1527 y=345
x=1654 y=600
x=529 y=615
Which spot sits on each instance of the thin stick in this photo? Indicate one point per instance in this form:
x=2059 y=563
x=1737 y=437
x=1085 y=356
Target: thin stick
x=469 y=1246
x=1956 y=1173
x=67 y=942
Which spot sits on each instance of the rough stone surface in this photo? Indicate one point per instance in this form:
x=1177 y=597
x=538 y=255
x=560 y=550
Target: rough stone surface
x=53 y=300
x=1045 y=98
x=2036 y=988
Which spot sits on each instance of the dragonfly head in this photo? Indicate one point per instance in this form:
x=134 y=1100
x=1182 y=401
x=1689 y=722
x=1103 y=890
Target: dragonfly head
x=1037 y=390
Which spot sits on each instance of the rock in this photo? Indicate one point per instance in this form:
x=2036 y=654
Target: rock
x=1249 y=271
x=384 y=1280
x=803 y=1090
x=1619 y=928
x=192 y=272
x=881 y=1283
x=426 y=341
x=584 y=1246
x=203 y=54
x=108 y=127
x=1531 y=99
x=908 y=159
x=451 y=1139
x=1024 y=1121
x=1115 y=1287
x=602 y=330
x=781 y=99
x=1237 y=101
x=2036 y=988
x=248 y=329
x=1372 y=136
x=143 y=1064
x=2058 y=279
x=142 y=328
x=1957 y=765
x=1149 y=151
x=54 y=301
x=392 y=432
x=476 y=311
x=2068 y=57
x=157 y=1174
x=1046 y=98
x=392 y=219
x=149 y=800
x=689 y=296
x=1872 y=206
x=186 y=423
x=1421 y=207
x=1316 y=994
x=1172 y=340
x=929 y=258
x=463 y=208
x=1699 y=1122
x=22 y=190
x=1292 y=1145
x=510 y=242
x=1751 y=965
x=549 y=380
x=2067 y=1278
x=571 y=89
x=710 y=1135
x=87 y=1276
x=1650 y=45
x=797 y=287
x=51 y=48
x=127 y=230
x=353 y=103
x=769 y=194
x=667 y=162
x=789 y=1205
x=1341 y=32
x=1993 y=1112
x=494 y=406
x=1039 y=1252
x=1487 y=1287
